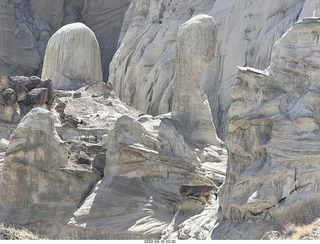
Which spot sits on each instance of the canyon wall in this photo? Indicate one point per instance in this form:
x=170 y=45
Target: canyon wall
x=142 y=71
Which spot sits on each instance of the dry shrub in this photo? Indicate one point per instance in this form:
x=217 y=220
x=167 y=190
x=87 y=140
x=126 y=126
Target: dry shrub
x=12 y=233
x=304 y=230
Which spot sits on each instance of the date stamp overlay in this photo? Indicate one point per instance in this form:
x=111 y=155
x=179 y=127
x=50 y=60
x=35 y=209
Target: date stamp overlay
x=159 y=241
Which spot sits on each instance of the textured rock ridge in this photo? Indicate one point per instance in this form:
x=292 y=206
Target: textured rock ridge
x=194 y=50
x=273 y=135
x=72 y=58
x=151 y=177
x=37 y=182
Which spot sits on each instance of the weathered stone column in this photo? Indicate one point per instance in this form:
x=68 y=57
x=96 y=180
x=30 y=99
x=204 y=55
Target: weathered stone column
x=195 y=49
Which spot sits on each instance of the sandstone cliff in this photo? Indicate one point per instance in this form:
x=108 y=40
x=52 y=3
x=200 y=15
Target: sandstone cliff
x=142 y=71
x=272 y=137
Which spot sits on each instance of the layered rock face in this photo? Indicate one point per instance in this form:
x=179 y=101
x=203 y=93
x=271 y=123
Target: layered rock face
x=151 y=177
x=142 y=71
x=27 y=25
x=72 y=58
x=272 y=137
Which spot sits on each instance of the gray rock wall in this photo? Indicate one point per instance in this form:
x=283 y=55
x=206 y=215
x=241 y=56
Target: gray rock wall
x=273 y=137
x=142 y=71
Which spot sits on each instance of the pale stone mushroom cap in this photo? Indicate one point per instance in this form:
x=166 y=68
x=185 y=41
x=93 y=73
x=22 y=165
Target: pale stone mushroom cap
x=72 y=57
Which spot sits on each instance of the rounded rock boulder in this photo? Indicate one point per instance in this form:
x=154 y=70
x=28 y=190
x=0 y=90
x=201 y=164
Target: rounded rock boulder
x=72 y=58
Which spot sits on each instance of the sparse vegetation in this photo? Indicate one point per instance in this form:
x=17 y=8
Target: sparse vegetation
x=308 y=232
x=11 y=233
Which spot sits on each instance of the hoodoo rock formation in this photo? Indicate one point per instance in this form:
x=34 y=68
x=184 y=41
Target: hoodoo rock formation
x=142 y=70
x=195 y=47
x=72 y=58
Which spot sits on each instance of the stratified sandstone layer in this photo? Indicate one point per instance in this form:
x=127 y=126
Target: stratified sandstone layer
x=273 y=136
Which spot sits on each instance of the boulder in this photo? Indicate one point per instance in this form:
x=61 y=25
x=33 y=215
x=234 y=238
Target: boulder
x=83 y=158
x=8 y=104
x=71 y=66
x=197 y=190
x=51 y=93
x=28 y=82
x=19 y=89
x=99 y=162
x=3 y=144
x=38 y=96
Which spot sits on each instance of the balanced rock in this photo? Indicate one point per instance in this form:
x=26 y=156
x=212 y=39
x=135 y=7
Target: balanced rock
x=195 y=49
x=72 y=57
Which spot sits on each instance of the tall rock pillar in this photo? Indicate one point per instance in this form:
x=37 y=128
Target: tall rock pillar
x=195 y=49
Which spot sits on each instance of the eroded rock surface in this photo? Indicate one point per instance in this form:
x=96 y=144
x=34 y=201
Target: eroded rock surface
x=273 y=136
x=148 y=162
x=37 y=181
